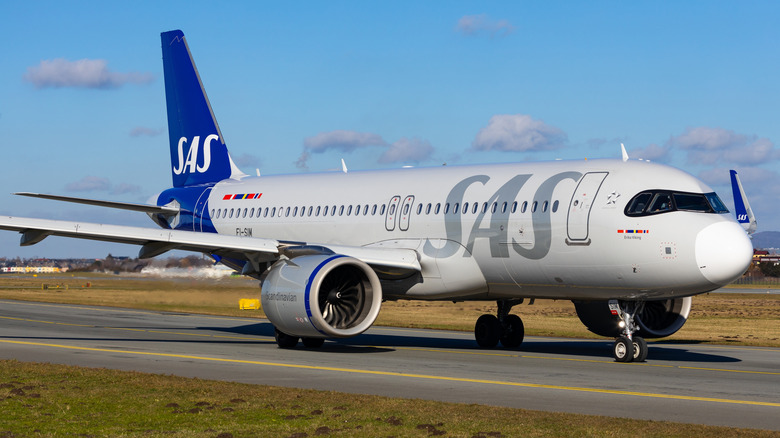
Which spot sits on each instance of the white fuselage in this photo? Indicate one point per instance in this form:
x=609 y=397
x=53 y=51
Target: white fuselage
x=543 y=230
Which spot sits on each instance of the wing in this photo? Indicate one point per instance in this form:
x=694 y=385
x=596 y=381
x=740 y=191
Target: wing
x=250 y=252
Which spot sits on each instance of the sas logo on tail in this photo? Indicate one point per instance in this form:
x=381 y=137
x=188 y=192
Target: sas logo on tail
x=190 y=164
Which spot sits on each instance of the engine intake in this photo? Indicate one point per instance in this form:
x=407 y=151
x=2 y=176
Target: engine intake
x=656 y=319
x=321 y=296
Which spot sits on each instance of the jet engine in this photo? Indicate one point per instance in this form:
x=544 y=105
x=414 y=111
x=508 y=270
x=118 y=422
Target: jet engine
x=656 y=319
x=321 y=296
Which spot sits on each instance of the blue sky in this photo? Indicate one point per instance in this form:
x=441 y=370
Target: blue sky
x=296 y=86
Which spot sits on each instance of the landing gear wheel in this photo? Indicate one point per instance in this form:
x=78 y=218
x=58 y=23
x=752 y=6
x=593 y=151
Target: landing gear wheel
x=313 y=342
x=283 y=340
x=640 y=349
x=623 y=349
x=513 y=333
x=487 y=331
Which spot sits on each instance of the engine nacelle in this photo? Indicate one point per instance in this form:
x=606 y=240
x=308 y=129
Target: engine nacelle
x=321 y=296
x=657 y=319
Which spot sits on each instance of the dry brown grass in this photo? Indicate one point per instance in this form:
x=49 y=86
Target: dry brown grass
x=740 y=319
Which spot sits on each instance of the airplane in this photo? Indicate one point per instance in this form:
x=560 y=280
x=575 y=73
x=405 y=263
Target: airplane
x=629 y=242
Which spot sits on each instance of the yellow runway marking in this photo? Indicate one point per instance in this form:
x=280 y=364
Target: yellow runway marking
x=408 y=375
x=432 y=350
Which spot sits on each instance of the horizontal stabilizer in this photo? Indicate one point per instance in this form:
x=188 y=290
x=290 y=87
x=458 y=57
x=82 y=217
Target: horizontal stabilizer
x=145 y=208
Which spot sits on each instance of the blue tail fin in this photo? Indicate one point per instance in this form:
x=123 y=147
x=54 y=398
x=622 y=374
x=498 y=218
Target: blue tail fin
x=198 y=151
x=745 y=215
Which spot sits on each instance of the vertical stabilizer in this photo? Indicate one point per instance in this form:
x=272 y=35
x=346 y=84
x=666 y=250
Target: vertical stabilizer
x=745 y=215
x=198 y=151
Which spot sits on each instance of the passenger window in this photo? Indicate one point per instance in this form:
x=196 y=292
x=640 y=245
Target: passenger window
x=555 y=206
x=419 y=209
x=465 y=207
x=373 y=210
x=295 y=212
x=533 y=207
x=514 y=207
x=392 y=210
x=317 y=211
x=494 y=207
x=212 y=212
x=406 y=209
x=455 y=208
x=544 y=207
x=273 y=212
x=524 y=207
x=310 y=210
x=287 y=213
x=484 y=207
x=503 y=207
x=438 y=207
x=341 y=211
x=252 y=212
x=349 y=210
x=382 y=210
x=446 y=208
x=333 y=211
x=231 y=213
x=365 y=210
x=357 y=210
x=428 y=209
x=474 y=208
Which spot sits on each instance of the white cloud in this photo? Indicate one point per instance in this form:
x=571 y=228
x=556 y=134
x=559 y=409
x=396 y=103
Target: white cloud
x=473 y=25
x=717 y=145
x=708 y=139
x=406 y=150
x=247 y=160
x=518 y=133
x=139 y=131
x=125 y=188
x=89 y=184
x=651 y=152
x=346 y=141
x=84 y=73
x=99 y=184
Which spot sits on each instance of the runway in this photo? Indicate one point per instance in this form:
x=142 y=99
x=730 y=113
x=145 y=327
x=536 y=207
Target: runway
x=716 y=385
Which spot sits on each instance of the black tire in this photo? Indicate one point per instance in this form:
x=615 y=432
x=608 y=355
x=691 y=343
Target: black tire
x=283 y=340
x=487 y=331
x=640 y=349
x=513 y=332
x=313 y=342
x=623 y=349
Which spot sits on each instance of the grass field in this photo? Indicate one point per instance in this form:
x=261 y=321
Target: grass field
x=43 y=400
x=55 y=400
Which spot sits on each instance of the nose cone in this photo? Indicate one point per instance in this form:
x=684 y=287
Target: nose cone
x=723 y=252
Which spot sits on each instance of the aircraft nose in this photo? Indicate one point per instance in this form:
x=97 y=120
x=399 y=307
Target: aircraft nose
x=723 y=252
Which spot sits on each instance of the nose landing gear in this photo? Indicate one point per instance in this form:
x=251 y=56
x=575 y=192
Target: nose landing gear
x=505 y=328
x=628 y=348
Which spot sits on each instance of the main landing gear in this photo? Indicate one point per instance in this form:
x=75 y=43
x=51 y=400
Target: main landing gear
x=505 y=328
x=627 y=347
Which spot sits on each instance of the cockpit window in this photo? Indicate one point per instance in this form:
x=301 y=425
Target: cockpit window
x=638 y=204
x=663 y=201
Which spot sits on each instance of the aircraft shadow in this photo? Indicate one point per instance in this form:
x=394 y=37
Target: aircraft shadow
x=380 y=342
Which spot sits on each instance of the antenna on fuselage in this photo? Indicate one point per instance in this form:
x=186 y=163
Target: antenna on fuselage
x=625 y=154
x=343 y=166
